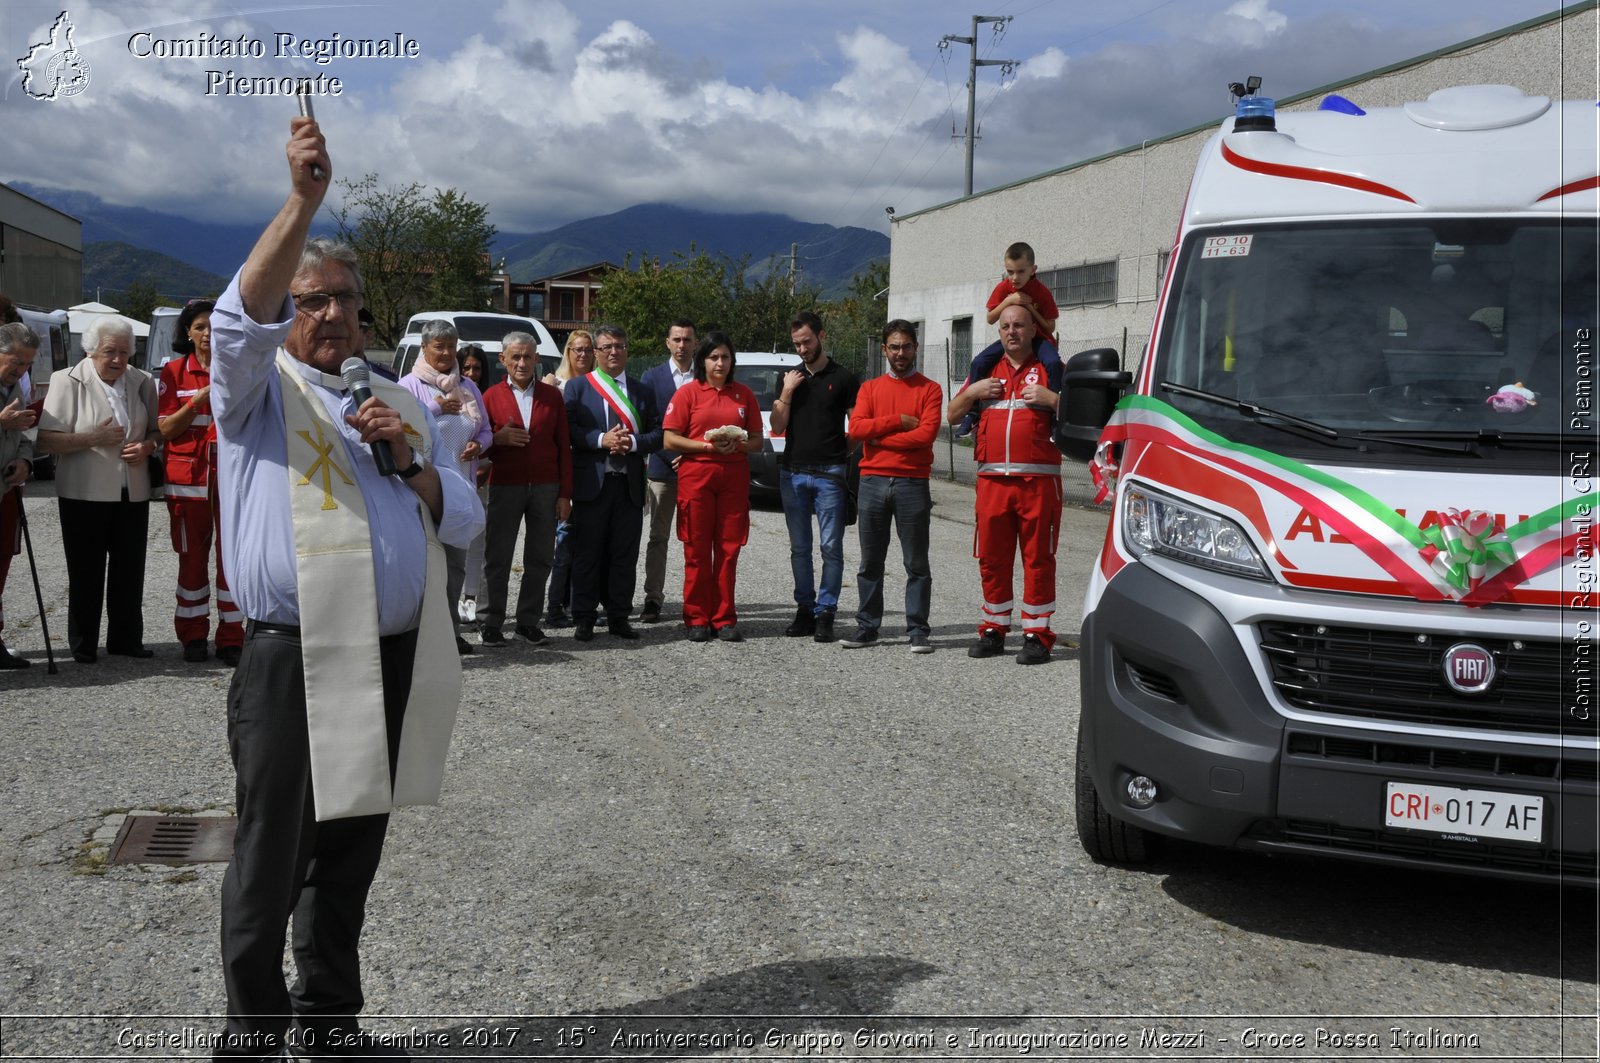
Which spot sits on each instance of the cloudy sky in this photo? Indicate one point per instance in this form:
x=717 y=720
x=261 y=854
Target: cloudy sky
x=555 y=110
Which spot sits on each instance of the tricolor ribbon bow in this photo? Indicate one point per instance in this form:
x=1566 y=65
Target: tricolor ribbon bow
x=1459 y=552
x=1103 y=470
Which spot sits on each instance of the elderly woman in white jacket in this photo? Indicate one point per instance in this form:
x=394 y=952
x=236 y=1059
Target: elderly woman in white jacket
x=100 y=420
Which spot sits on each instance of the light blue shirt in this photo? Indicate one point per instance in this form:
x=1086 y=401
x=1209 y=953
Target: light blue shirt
x=253 y=479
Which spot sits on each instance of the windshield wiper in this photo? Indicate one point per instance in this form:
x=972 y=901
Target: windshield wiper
x=1263 y=414
x=1469 y=438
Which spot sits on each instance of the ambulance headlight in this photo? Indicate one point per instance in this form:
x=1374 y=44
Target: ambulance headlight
x=1156 y=523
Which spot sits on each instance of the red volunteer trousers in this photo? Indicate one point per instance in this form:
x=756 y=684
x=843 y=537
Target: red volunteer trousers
x=10 y=542
x=1012 y=512
x=194 y=525
x=713 y=523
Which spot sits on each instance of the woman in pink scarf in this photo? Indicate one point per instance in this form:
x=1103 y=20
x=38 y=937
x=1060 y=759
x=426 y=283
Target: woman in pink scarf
x=457 y=406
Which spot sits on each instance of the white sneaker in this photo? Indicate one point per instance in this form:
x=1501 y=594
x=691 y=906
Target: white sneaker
x=467 y=611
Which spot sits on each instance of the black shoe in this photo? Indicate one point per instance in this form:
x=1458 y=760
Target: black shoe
x=990 y=643
x=491 y=636
x=730 y=633
x=530 y=634
x=585 y=631
x=699 y=633
x=805 y=623
x=9 y=660
x=85 y=656
x=195 y=651
x=622 y=629
x=140 y=652
x=463 y=647
x=558 y=618
x=864 y=636
x=229 y=655
x=651 y=613
x=1034 y=651
x=920 y=643
x=824 y=627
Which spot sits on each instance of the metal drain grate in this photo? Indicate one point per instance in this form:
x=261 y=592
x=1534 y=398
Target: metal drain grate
x=174 y=840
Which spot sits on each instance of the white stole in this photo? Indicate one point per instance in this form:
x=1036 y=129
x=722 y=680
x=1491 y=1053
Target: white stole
x=339 y=621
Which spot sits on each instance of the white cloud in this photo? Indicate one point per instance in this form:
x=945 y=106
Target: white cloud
x=1247 y=22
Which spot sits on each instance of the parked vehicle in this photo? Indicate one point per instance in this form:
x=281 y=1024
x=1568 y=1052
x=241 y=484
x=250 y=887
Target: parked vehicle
x=163 y=330
x=55 y=341
x=488 y=330
x=1346 y=603
x=762 y=372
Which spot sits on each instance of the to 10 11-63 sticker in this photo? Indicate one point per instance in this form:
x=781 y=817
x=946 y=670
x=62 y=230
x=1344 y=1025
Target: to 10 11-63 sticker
x=1226 y=246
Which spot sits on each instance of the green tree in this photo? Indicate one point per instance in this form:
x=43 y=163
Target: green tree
x=855 y=322
x=417 y=252
x=713 y=292
x=139 y=298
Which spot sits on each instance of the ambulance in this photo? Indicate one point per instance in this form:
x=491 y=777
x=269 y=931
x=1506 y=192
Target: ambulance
x=1347 y=600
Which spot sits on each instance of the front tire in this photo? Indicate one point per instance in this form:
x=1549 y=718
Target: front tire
x=1105 y=838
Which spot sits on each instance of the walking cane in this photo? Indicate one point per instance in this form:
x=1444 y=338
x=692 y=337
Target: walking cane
x=27 y=540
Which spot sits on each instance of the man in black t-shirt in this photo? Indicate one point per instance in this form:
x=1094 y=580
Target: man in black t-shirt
x=811 y=413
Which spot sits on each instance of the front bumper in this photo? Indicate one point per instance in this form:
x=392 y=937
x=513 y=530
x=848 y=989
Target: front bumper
x=1170 y=691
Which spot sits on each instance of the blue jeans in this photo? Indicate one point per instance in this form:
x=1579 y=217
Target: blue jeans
x=803 y=494
x=907 y=502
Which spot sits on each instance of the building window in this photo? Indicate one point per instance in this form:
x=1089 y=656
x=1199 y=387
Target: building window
x=569 y=306
x=960 y=347
x=1087 y=285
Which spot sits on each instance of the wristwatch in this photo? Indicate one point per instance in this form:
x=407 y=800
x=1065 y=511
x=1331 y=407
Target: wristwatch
x=416 y=467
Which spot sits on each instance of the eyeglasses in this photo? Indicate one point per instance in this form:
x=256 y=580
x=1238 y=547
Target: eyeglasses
x=584 y=350
x=318 y=302
x=899 y=348
x=609 y=347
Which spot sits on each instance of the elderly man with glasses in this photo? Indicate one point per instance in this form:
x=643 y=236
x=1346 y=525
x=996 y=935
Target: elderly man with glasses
x=343 y=702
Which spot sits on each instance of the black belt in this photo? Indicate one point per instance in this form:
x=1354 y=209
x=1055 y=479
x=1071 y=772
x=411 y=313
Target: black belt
x=253 y=627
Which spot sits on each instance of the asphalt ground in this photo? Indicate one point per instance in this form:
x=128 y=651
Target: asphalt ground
x=775 y=849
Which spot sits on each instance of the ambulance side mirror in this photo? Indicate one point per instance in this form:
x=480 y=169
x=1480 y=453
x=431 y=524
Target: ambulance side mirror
x=1092 y=383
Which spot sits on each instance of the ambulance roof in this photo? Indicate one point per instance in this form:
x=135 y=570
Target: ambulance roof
x=1478 y=149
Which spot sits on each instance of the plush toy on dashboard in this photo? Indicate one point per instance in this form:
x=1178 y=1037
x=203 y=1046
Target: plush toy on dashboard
x=1513 y=397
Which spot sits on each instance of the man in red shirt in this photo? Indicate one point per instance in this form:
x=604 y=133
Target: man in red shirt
x=530 y=481
x=896 y=419
x=1019 y=489
x=183 y=413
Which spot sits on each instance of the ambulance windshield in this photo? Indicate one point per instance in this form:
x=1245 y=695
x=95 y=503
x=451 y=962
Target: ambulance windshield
x=1443 y=328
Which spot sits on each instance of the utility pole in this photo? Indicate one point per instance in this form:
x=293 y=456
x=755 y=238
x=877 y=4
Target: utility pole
x=973 y=63
x=794 y=266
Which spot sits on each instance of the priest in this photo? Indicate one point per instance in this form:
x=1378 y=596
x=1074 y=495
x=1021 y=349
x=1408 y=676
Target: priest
x=346 y=691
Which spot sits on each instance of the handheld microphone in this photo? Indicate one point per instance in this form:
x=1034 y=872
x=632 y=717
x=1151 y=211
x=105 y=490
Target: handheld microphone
x=358 y=381
x=302 y=97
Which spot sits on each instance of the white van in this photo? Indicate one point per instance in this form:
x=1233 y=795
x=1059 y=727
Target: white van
x=762 y=372
x=163 y=330
x=484 y=329
x=1347 y=600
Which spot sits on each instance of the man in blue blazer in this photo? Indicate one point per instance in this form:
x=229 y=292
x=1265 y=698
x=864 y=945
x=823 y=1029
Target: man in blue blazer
x=615 y=423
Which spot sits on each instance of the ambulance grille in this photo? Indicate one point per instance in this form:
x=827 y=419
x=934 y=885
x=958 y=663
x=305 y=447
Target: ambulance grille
x=1395 y=675
x=1577 y=868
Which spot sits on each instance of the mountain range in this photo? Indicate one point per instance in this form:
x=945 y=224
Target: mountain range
x=185 y=258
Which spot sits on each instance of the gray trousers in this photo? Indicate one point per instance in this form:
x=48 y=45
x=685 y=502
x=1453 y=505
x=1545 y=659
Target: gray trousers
x=661 y=505
x=907 y=503
x=510 y=507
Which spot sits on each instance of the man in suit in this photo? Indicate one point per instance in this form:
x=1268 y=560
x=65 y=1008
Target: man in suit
x=615 y=424
x=664 y=380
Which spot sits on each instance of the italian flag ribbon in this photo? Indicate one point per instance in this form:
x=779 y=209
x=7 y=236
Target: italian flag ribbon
x=1104 y=470
x=1459 y=550
x=1454 y=560
x=614 y=397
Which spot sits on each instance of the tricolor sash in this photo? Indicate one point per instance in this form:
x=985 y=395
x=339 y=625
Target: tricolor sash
x=614 y=397
x=337 y=590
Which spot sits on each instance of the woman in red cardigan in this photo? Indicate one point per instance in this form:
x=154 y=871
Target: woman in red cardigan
x=714 y=422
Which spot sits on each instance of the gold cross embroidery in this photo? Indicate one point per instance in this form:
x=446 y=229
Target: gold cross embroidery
x=325 y=462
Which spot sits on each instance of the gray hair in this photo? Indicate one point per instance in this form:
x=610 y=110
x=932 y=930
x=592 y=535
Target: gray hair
x=610 y=330
x=437 y=328
x=321 y=249
x=102 y=326
x=16 y=335
x=520 y=337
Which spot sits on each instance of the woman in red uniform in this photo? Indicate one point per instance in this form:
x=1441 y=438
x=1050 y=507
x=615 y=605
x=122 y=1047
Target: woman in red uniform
x=713 y=484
